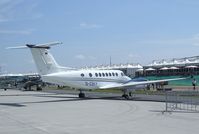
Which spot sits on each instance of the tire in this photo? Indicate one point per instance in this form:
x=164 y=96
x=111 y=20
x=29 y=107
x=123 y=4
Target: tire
x=81 y=95
x=39 y=89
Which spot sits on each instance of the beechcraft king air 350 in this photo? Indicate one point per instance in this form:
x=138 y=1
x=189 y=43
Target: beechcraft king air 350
x=80 y=79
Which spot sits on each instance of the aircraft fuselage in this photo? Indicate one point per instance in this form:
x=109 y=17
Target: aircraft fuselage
x=86 y=79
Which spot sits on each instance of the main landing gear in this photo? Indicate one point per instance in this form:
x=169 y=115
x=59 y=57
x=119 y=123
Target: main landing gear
x=81 y=94
x=126 y=95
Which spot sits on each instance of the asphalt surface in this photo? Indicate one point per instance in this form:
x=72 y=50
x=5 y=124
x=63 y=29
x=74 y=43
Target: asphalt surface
x=176 y=96
x=30 y=112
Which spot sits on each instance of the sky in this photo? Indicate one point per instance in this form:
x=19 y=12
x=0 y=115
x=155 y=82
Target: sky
x=130 y=31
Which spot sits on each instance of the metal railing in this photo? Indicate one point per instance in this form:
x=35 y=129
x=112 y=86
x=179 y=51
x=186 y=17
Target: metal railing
x=182 y=101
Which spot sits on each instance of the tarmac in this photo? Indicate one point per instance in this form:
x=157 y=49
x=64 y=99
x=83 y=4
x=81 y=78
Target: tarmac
x=31 y=112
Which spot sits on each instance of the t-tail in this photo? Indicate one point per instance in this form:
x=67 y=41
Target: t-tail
x=44 y=61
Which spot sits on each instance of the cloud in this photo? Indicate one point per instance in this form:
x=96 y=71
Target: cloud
x=89 y=26
x=7 y=9
x=195 y=40
x=11 y=10
x=3 y=64
x=133 y=56
x=2 y=68
x=165 y=42
x=80 y=57
x=92 y=58
x=192 y=40
x=30 y=61
x=83 y=57
x=21 y=32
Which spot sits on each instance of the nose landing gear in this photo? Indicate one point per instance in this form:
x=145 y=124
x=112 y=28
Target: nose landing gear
x=81 y=94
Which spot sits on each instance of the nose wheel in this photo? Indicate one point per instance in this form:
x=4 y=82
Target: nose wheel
x=81 y=94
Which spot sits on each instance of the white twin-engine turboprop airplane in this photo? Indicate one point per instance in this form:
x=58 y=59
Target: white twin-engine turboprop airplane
x=88 y=79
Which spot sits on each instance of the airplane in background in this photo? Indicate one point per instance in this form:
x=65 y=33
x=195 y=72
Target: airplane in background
x=89 y=79
x=20 y=81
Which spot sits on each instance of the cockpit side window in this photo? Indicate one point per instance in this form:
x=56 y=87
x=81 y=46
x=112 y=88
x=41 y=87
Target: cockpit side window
x=122 y=74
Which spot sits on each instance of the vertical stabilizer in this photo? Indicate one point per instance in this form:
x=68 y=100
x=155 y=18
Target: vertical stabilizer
x=44 y=61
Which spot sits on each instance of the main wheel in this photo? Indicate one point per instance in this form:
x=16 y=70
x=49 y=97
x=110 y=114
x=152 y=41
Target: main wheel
x=125 y=96
x=81 y=95
x=39 y=88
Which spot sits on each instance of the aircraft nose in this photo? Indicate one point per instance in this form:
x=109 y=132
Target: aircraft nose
x=127 y=78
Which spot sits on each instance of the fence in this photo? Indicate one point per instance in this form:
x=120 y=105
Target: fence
x=182 y=101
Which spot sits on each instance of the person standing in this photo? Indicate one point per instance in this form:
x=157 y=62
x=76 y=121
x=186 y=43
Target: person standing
x=194 y=84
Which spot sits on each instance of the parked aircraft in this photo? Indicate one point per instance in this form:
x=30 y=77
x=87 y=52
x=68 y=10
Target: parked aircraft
x=89 y=79
x=20 y=81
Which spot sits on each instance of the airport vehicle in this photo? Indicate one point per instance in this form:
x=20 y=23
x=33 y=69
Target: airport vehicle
x=89 y=79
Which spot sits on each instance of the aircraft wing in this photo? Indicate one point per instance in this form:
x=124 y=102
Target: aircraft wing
x=133 y=83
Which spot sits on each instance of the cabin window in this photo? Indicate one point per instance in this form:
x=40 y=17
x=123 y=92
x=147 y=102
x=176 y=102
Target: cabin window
x=96 y=74
x=107 y=74
x=100 y=74
x=103 y=74
x=82 y=74
x=90 y=74
x=116 y=74
x=113 y=74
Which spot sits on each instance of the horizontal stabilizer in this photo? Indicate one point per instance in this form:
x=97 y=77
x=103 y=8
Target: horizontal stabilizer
x=19 y=47
x=45 y=45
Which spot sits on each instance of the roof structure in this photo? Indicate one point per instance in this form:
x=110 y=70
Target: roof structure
x=175 y=62
x=116 y=66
